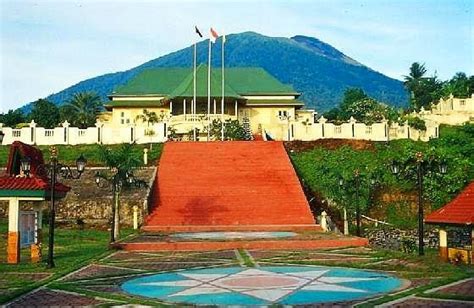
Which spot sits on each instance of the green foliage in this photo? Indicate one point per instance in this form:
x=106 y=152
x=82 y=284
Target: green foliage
x=361 y=107
x=233 y=130
x=351 y=96
x=416 y=123
x=45 y=114
x=459 y=86
x=426 y=90
x=12 y=118
x=322 y=168
x=82 y=109
x=122 y=159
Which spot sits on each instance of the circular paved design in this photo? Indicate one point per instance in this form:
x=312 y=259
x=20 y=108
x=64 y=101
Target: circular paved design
x=232 y=235
x=286 y=285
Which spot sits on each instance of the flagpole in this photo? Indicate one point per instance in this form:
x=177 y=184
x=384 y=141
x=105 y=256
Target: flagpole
x=222 y=103
x=209 y=91
x=194 y=94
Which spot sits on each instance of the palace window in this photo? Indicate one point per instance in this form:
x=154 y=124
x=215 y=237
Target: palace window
x=283 y=114
x=337 y=129
x=368 y=129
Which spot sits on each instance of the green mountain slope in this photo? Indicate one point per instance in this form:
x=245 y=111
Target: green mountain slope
x=317 y=70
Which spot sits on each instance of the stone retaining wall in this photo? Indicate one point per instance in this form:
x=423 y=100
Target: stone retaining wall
x=91 y=204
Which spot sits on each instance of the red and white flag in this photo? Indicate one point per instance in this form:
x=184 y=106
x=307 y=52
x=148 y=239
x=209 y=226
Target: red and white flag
x=213 y=35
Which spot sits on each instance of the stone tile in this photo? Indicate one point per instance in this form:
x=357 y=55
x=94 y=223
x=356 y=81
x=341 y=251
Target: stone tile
x=463 y=288
x=430 y=303
x=97 y=271
x=48 y=298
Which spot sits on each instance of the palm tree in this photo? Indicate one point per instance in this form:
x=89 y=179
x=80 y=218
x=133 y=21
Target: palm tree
x=82 y=109
x=414 y=81
x=121 y=164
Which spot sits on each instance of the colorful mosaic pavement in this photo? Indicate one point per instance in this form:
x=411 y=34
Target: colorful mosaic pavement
x=287 y=285
x=242 y=277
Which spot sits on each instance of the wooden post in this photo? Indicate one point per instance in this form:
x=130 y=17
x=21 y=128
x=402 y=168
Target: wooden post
x=13 y=242
x=443 y=244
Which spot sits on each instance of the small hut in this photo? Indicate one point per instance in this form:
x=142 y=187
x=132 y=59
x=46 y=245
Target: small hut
x=457 y=213
x=25 y=193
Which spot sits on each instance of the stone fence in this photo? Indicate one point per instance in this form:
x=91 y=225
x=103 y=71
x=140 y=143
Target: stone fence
x=304 y=129
x=101 y=133
x=381 y=131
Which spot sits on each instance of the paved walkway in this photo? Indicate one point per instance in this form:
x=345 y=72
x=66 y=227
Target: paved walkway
x=255 y=277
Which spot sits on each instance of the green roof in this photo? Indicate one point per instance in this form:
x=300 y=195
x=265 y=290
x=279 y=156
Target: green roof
x=178 y=82
x=155 y=103
x=275 y=102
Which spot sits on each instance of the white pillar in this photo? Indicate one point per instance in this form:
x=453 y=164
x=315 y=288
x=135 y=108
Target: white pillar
x=346 y=223
x=13 y=242
x=135 y=217
x=443 y=244
x=215 y=106
x=184 y=108
x=235 y=108
x=145 y=156
x=171 y=107
x=324 y=223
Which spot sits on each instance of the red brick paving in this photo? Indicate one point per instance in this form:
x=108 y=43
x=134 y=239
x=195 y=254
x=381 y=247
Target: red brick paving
x=48 y=298
x=228 y=184
x=259 y=244
x=95 y=270
x=462 y=288
x=429 y=303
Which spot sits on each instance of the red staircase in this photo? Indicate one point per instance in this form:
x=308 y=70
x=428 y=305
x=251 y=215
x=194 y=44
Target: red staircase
x=227 y=186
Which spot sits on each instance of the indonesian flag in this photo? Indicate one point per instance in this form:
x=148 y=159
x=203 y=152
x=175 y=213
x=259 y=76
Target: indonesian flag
x=213 y=36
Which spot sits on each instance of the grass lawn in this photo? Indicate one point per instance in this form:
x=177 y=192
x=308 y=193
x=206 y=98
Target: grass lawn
x=73 y=249
x=67 y=154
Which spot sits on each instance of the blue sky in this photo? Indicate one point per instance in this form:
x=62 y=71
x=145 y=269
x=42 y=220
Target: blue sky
x=47 y=45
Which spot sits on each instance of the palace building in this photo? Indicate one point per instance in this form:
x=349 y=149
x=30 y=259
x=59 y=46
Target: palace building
x=270 y=106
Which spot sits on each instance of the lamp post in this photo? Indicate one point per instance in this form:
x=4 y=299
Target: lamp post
x=53 y=170
x=117 y=181
x=346 y=224
x=420 y=172
x=357 y=178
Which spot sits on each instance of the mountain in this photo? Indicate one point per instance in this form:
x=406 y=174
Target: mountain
x=316 y=69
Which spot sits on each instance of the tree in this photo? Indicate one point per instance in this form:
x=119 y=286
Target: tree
x=82 y=109
x=233 y=130
x=12 y=118
x=45 y=114
x=121 y=164
x=459 y=86
x=351 y=96
x=423 y=90
x=150 y=117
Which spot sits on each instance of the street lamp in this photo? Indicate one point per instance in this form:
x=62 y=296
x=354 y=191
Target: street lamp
x=53 y=170
x=420 y=171
x=117 y=181
x=357 y=178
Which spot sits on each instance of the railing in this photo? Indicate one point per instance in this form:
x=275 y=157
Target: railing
x=49 y=132
x=200 y=117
